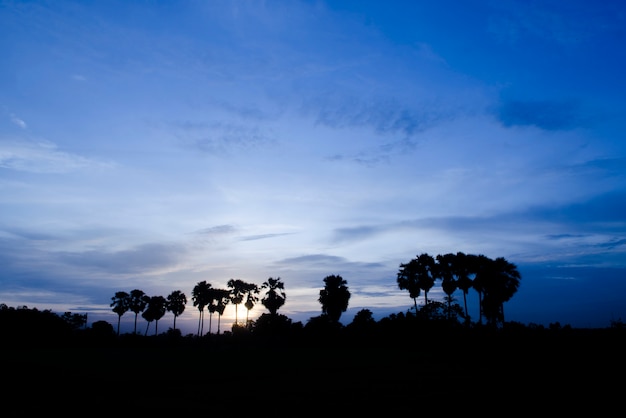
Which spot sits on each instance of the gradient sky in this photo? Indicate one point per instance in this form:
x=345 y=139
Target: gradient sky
x=153 y=145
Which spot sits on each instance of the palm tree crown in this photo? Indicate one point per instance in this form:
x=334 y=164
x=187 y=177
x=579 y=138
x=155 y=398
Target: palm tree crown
x=334 y=297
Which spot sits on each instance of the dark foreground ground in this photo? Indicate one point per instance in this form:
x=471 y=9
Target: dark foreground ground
x=547 y=374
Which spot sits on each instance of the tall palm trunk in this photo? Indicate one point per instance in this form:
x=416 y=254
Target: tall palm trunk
x=465 y=303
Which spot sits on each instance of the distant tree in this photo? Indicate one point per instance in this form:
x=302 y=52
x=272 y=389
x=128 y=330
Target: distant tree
x=149 y=315
x=155 y=310
x=463 y=268
x=435 y=311
x=76 y=321
x=334 y=297
x=408 y=279
x=102 y=329
x=250 y=300
x=500 y=282
x=446 y=271
x=480 y=267
x=275 y=296
x=138 y=302
x=121 y=304
x=200 y=295
x=453 y=311
x=364 y=316
x=426 y=271
x=363 y=321
x=176 y=302
x=222 y=297
x=269 y=324
x=238 y=289
x=213 y=296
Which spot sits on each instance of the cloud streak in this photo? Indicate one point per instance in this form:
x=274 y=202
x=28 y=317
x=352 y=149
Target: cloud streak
x=42 y=157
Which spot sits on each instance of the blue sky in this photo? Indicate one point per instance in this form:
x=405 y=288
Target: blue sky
x=153 y=145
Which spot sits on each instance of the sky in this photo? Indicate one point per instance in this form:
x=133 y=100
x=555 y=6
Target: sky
x=153 y=145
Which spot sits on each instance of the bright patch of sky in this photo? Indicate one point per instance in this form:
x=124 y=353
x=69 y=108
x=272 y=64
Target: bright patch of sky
x=154 y=145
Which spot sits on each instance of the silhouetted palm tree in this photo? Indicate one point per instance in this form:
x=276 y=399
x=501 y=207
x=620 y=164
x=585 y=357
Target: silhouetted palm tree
x=426 y=272
x=155 y=310
x=176 y=302
x=500 y=283
x=200 y=298
x=149 y=315
x=275 y=296
x=480 y=267
x=445 y=270
x=334 y=297
x=408 y=279
x=250 y=300
x=222 y=297
x=237 y=292
x=138 y=302
x=121 y=304
x=463 y=269
x=418 y=274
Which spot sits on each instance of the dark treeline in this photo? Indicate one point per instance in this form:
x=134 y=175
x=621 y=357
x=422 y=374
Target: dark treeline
x=494 y=280
x=433 y=358
x=401 y=363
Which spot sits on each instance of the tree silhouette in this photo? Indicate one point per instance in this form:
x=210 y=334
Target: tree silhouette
x=426 y=271
x=408 y=279
x=200 y=298
x=250 y=300
x=446 y=271
x=462 y=266
x=362 y=322
x=213 y=295
x=137 y=303
x=275 y=296
x=334 y=297
x=176 y=302
x=239 y=289
x=154 y=311
x=480 y=266
x=500 y=282
x=121 y=304
x=222 y=297
x=76 y=321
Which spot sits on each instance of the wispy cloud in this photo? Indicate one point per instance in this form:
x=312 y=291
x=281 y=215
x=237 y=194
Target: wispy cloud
x=217 y=230
x=42 y=157
x=263 y=236
x=17 y=121
x=223 y=137
x=327 y=261
x=143 y=259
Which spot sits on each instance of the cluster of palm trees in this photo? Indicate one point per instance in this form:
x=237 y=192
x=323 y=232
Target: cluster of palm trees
x=495 y=280
x=152 y=308
x=215 y=300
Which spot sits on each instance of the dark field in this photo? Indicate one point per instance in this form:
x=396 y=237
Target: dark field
x=543 y=373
